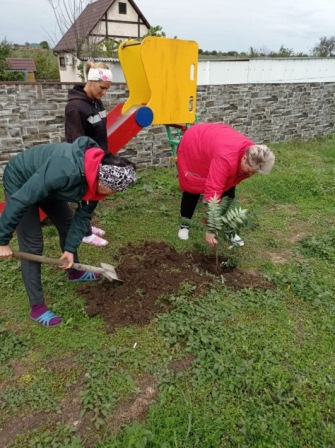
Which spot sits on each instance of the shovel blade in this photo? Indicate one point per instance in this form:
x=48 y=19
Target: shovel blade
x=109 y=272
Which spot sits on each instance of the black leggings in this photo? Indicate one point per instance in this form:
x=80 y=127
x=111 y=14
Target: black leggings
x=30 y=239
x=189 y=202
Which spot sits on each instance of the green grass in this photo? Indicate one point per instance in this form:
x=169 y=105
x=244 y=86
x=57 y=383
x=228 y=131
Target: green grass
x=263 y=369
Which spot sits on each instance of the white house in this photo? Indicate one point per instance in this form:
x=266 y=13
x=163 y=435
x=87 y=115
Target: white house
x=100 y=21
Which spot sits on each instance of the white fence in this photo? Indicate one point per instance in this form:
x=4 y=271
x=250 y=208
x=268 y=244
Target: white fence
x=255 y=71
x=270 y=70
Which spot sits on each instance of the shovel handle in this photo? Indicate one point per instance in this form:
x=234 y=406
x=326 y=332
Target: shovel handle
x=38 y=258
x=54 y=261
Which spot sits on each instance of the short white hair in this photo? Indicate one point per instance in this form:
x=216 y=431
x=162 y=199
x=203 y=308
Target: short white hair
x=260 y=158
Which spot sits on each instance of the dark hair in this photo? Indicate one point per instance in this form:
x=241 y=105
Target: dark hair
x=110 y=159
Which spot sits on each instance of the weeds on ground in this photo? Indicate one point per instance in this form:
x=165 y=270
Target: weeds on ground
x=262 y=364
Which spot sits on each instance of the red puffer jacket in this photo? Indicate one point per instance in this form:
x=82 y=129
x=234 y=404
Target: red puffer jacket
x=209 y=157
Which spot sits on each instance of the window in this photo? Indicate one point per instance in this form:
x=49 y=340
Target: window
x=62 y=61
x=122 y=8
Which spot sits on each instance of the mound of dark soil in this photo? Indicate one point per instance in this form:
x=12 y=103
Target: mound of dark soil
x=151 y=271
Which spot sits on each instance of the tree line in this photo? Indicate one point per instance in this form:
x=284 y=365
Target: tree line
x=47 y=64
x=45 y=61
x=323 y=49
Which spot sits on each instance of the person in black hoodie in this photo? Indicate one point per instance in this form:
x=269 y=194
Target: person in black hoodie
x=85 y=115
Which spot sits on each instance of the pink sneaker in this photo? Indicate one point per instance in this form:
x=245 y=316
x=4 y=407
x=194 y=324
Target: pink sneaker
x=98 y=231
x=95 y=240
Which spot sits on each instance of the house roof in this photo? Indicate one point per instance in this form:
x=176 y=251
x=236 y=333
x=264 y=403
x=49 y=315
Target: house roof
x=21 y=64
x=88 y=19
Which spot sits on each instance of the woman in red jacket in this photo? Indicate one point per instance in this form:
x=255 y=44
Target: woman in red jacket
x=212 y=159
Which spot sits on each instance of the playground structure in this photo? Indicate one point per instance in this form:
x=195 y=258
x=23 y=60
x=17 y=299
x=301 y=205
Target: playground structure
x=161 y=76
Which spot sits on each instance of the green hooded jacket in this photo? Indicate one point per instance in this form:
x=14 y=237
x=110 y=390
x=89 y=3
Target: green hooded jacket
x=43 y=174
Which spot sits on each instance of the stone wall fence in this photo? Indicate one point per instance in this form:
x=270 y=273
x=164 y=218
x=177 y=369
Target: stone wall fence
x=33 y=113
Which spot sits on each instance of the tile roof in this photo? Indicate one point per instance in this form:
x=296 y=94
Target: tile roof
x=88 y=19
x=21 y=64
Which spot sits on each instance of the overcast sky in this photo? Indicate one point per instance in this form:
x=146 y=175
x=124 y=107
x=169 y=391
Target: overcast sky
x=222 y=25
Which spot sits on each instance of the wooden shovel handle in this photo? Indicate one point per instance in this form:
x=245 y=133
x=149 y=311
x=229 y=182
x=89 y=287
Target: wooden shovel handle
x=38 y=258
x=54 y=261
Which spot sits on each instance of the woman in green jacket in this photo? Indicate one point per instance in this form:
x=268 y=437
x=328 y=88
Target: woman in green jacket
x=48 y=177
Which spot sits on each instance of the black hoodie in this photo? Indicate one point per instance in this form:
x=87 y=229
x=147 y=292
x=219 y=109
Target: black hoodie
x=85 y=117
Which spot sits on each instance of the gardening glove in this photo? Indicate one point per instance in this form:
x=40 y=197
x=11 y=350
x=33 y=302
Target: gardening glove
x=210 y=239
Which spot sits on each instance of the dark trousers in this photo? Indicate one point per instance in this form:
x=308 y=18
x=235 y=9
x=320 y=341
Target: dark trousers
x=30 y=238
x=189 y=202
x=89 y=231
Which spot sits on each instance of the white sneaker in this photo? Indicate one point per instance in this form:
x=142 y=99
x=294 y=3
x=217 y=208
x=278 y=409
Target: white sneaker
x=236 y=240
x=183 y=233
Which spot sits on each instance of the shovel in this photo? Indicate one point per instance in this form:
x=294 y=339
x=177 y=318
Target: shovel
x=107 y=270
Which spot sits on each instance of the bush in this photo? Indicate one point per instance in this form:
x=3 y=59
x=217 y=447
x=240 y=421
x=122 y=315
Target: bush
x=12 y=76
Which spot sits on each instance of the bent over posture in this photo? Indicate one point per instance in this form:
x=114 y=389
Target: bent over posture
x=48 y=177
x=212 y=159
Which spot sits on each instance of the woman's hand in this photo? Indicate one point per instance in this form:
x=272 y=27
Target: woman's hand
x=68 y=260
x=210 y=239
x=5 y=252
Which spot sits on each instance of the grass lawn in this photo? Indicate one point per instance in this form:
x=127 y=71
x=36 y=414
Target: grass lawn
x=255 y=367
